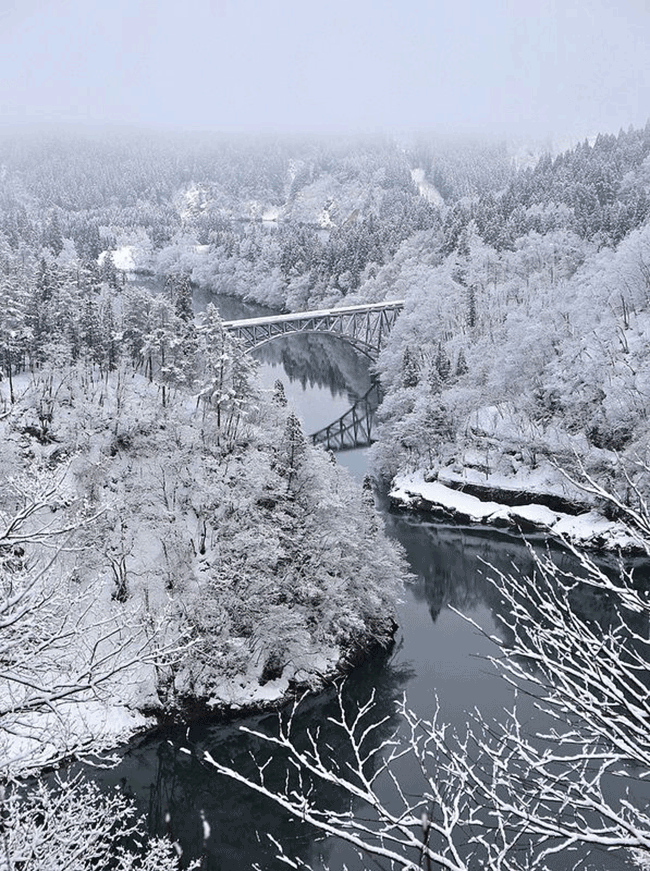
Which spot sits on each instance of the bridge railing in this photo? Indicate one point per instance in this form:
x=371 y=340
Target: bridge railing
x=317 y=313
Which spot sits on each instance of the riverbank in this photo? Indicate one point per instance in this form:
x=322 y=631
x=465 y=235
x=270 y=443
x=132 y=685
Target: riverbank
x=233 y=698
x=450 y=500
x=101 y=727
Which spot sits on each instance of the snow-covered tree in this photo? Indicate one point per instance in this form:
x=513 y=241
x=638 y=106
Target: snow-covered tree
x=224 y=376
x=72 y=825
x=62 y=653
x=14 y=329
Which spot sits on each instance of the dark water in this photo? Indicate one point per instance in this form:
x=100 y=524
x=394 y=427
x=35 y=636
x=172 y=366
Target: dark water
x=438 y=658
x=323 y=377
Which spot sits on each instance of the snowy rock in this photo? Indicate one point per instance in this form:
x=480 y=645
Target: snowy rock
x=587 y=529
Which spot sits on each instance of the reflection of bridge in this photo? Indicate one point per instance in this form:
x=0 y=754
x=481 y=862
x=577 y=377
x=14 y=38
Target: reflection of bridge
x=364 y=326
x=354 y=428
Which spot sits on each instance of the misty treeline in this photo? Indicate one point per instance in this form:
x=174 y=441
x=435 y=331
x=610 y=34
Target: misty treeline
x=168 y=198
x=526 y=288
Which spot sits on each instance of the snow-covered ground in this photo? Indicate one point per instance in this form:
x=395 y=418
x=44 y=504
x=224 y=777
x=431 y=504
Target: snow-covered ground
x=46 y=738
x=125 y=482
x=426 y=189
x=124 y=258
x=587 y=529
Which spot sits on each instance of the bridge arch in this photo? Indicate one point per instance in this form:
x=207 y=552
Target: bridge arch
x=367 y=350
x=363 y=326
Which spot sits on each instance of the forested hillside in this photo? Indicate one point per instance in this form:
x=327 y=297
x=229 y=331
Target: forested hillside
x=524 y=343
x=285 y=222
x=525 y=330
x=169 y=541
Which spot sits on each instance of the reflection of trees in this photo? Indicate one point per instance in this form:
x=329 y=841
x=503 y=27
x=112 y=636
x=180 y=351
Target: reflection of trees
x=514 y=792
x=177 y=790
x=321 y=361
x=450 y=563
x=453 y=566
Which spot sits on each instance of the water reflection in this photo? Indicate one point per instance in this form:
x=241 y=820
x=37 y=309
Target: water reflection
x=323 y=375
x=354 y=429
x=438 y=654
x=178 y=792
x=314 y=360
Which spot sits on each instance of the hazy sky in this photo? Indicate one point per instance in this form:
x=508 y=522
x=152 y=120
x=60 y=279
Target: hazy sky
x=562 y=68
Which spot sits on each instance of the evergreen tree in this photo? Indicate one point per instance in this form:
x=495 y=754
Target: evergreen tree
x=293 y=451
x=279 y=396
x=433 y=379
x=108 y=271
x=443 y=363
x=13 y=328
x=410 y=376
x=161 y=346
x=182 y=299
x=369 y=507
x=53 y=237
x=224 y=376
x=471 y=306
x=461 y=364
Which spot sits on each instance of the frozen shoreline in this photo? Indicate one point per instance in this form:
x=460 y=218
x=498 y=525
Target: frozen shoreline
x=587 y=529
x=102 y=728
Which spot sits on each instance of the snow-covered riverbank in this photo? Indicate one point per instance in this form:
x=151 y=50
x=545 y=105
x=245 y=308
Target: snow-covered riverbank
x=587 y=528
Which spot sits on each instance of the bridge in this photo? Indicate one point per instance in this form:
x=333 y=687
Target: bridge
x=364 y=326
x=354 y=428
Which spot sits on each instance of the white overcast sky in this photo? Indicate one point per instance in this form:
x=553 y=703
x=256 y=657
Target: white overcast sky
x=560 y=68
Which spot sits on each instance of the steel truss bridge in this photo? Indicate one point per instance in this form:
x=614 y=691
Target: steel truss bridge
x=354 y=428
x=364 y=326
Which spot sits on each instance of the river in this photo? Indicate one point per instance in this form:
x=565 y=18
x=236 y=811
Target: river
x=438 y=656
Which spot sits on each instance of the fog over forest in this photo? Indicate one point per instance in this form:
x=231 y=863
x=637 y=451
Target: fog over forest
x=558 y=71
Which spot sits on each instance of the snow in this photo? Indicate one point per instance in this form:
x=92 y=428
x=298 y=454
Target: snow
x=408 y=486
x=192 y=200
x=124 y=258
x=299 y=316
x=426 y=189
x=128 y=478
x=92 y=723
x=245 y=692
x=588 y=529
x=271 y=213
x=538 y=515
x=328 y=202
x=519 y=478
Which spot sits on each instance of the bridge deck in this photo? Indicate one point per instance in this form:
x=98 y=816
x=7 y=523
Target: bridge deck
x=318 y=313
